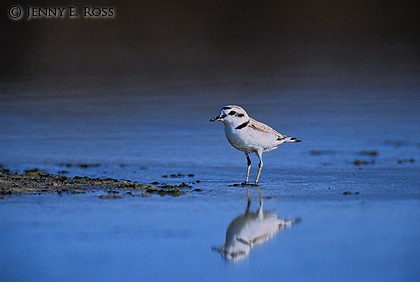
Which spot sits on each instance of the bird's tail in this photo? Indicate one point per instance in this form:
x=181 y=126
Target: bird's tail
x=289 y=139
x=289 y=222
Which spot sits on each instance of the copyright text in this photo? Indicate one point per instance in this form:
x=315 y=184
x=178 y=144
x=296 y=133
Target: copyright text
x=28 y=13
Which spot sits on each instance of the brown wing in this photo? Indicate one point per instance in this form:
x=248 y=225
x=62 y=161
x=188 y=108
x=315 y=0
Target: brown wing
x=259 y=126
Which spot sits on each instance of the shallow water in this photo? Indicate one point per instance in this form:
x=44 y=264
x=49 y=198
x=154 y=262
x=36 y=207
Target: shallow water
x=73 y=237
x=359 y=210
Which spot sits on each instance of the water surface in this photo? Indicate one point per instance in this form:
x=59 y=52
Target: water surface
x=353 y=181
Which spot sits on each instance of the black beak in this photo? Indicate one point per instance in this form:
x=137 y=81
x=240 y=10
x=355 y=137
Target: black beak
x=219 y=117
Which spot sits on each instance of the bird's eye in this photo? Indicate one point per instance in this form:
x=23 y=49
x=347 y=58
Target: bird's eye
x=232 y=113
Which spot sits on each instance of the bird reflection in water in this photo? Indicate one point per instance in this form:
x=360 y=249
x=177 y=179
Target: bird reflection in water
x=251 y=229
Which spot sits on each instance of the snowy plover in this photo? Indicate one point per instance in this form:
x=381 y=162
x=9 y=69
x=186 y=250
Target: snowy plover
x=249 y=136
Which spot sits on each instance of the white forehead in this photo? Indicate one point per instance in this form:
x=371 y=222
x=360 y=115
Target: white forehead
x=232 y=107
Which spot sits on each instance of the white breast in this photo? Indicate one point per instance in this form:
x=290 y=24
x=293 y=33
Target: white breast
x=238 y=139
x=250 y=140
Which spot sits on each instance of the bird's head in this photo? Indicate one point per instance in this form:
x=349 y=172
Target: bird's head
x=232 y=115
x=233 y=253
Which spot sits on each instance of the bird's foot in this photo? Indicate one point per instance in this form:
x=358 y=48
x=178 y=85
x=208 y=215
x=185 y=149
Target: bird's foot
x=248 y=184
x=243 y=184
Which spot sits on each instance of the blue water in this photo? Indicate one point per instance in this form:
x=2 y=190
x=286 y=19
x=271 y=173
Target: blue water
x=85 y=238
x=359 y=222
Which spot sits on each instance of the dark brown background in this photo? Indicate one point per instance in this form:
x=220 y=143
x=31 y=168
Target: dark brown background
x=186 y=38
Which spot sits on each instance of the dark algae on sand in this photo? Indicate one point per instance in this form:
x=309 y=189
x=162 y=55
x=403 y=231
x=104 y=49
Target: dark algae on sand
x=35 y=181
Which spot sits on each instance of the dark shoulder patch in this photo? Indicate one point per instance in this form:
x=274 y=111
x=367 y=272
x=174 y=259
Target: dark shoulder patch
x=242 y=125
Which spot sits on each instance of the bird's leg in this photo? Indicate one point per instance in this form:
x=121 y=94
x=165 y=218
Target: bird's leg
x=260 y=166
x=249 y=200
x=249 y=167
x=260 y=196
